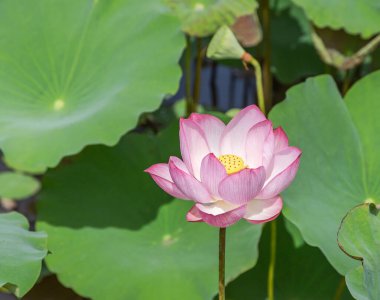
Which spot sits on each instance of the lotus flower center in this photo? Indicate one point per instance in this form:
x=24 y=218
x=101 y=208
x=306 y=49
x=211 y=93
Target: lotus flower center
x=232 y=163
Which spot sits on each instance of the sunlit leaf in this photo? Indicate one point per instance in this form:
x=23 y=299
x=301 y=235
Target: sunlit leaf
x=80 y=72
x=21 y=253
x=340 y=165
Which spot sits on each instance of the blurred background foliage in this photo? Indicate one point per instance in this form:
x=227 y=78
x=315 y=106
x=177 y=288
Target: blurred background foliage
x=91 y=92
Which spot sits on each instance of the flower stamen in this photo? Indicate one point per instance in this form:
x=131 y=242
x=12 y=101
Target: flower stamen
x=232 y=163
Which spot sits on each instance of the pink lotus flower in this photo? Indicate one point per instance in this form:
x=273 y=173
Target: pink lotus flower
x=230 y=171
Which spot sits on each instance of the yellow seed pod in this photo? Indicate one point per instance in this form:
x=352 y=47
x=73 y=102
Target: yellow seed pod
x=232 y=163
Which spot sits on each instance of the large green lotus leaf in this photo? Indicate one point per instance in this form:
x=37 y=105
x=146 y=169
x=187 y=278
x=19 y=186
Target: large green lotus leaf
x=21 y=253
x=17 y=186
x=79 y=72
x=356 y=17
x=295 y=233
x=359 y=237
x=204 y=17
x=354 y=280
x=339 y=168
x=364 y=106
x=99 y=212
x=301 y=273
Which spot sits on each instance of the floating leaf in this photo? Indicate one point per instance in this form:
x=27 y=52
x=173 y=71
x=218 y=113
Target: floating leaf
x=359 y=237
x=80 y=72
x=21 y=253
x=356 y=17
x=292 y=265
x=204 y=17
x=116 y=226
x=17 y=186
x=340 y=165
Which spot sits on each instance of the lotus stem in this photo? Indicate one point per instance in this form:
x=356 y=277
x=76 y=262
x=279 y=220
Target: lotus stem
x=222 y=259
x=213 y=88
x=267 y=47
x=248 y=58
x=189 y=101
x=259 y=84
x=198 y=73
x=347 y=81
x=272 y=264
x=340 y=289
x=267 y=52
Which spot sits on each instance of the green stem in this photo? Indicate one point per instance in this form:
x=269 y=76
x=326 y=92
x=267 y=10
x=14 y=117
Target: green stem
x=222 y=259
x=213 y=87
x=259 y=84
x=267 y=52
x=272 y=264
x=198 y=73
x=346 y=81
x=189 y=101
x=340 y=289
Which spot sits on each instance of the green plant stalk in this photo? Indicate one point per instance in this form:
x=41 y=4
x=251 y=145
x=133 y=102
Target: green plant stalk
x=189 y=101
x=272 y=264
x=267 y=52
x=213 y=88
x=340 y=289
x=259 y=83
x=222 y=260
x=347 y=81
x=198 y=73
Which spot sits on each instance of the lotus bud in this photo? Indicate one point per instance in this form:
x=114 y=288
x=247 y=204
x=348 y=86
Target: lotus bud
x=225 y=45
